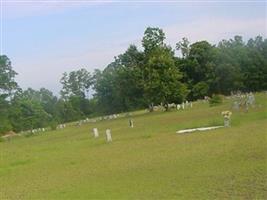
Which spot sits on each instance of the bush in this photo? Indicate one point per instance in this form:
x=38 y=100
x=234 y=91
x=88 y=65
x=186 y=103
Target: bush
x=5 y=126
x=216 y=100
x=2 y=139
x=53 y=125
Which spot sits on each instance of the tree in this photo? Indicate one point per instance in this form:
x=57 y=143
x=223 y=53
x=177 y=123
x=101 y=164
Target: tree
x=153 y=38
x=255 y=68
x=199 y=67
x=7 y=86
x=184 y=47
x=161 y=77
x=162 y=84
x=28 y=110
x=119 y=87
x=7 y=75
x=76 y=83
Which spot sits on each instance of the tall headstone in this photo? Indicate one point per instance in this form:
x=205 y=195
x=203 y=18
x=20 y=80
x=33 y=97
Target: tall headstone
x=251 y=99
x=108 y=135
x=183 y=105
x=131 y=123
x=95 y=132
x=178 y=106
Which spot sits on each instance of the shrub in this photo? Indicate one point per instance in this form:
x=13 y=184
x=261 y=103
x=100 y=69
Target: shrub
x=53 y=125
x=216 y=100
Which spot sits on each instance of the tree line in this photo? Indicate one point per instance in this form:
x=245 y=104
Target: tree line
x=136 y=79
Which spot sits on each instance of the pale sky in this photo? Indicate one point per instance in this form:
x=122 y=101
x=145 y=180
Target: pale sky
x=43 y=39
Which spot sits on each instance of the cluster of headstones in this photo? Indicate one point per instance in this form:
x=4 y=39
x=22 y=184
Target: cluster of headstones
x=33 y=131
x=158 y=108
x=181 y=106
x=61 y=126
x=84 y=121
x=87 y=120
x=109 y=117
x=243 y=101
x=184 y=105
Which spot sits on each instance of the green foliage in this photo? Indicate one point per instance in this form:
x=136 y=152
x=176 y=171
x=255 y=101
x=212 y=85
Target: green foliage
x=184 y=47
x=53 y=125
x=7 y=75
x=162 y=82
x=216 y=100
x=200 y=90
x=153 y=38
x=76 y=83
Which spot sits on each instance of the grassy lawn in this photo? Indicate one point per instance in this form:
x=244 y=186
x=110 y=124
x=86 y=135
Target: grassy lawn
x=149 y=161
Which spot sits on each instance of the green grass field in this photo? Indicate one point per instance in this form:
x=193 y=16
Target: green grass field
x=149 y=161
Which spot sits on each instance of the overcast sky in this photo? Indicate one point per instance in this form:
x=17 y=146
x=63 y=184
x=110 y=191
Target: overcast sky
x=43 y=39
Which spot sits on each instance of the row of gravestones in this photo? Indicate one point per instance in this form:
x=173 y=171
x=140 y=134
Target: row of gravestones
x=184 y=105
x=108 y=132
x=181 y=106
x=87 y=120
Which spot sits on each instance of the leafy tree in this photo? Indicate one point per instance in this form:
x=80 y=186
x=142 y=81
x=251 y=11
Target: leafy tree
x=76 y=83
x=153 y=38
x=255 y=68
x=7 y=86
x=28 y=110
x=7 y=75
x=184 y=47
x=162 y=78
x=120 y=86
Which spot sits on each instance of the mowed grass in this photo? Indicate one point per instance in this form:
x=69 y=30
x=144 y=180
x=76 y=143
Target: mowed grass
x=149 y=161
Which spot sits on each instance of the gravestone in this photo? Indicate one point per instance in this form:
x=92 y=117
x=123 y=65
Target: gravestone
x=95 y=132
x=108 y=135
x=226 y=115
x=236 y=105
x=131 y=123
x=183 y=105
x=251 y=99
x=178 y=106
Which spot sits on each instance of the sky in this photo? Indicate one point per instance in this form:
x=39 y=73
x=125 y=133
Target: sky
x=44 y=38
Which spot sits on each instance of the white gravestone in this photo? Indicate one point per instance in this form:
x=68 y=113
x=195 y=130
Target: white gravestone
x=108 y=135
x=178 y=106
x=95 y=132
x=183 y=105
x=251 y=99
x=131 y=123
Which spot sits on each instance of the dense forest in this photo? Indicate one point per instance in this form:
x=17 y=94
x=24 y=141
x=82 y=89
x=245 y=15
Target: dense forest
x=137 y=79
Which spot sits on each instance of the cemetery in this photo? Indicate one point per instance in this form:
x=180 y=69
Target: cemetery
x=220 y=151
